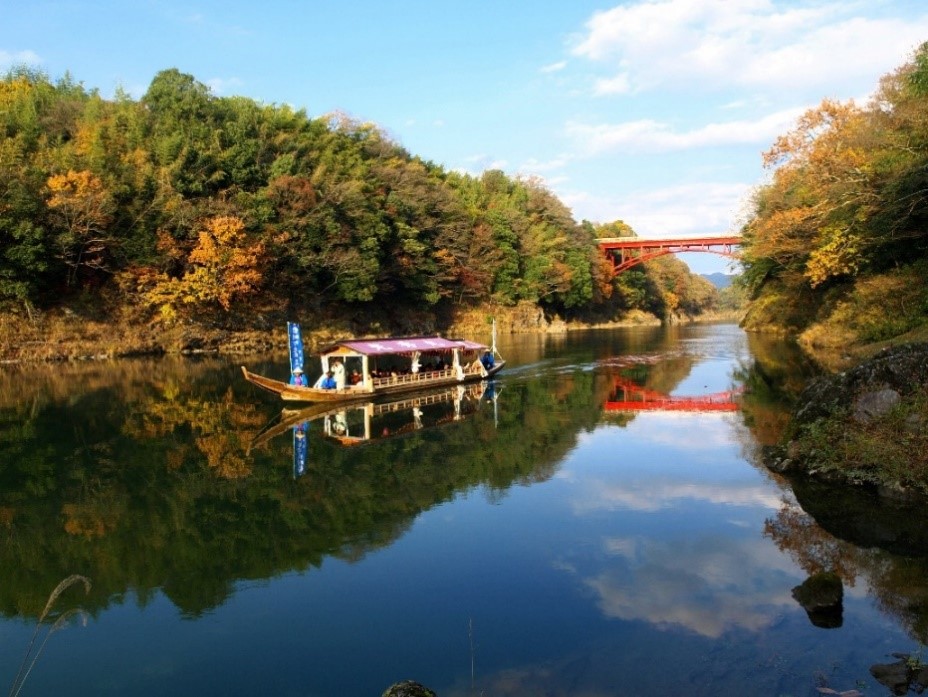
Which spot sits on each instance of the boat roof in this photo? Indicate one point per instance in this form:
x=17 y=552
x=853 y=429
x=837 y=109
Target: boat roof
x=379 y=347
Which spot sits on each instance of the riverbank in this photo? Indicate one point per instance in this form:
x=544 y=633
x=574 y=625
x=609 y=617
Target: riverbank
x=68 y=335
x=865 y=426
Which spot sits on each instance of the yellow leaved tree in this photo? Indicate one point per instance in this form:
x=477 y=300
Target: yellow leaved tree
x=811 y=218
x=82 y=208
x=222 y=268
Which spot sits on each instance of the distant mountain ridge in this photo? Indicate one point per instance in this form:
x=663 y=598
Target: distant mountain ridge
x=718 y=279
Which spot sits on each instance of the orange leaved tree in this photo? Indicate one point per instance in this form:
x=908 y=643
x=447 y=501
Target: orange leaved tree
x=82 y=208
x=222 y=268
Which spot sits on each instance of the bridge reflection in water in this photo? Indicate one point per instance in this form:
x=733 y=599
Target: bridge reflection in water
x=629 y=396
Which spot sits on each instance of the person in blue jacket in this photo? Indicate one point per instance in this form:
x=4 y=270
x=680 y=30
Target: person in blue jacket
x=328 y=383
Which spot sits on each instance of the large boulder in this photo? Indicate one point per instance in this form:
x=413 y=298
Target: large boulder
x=867 y=388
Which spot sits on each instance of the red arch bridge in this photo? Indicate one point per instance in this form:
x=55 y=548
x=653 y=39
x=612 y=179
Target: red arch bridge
x=627 y=252
x=629 y=396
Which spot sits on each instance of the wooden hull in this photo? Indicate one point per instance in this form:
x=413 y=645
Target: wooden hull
x=382 y=386
x=290 y=417
x=297 y=393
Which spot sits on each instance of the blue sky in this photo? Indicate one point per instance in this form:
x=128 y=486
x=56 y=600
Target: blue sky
x=653 y=112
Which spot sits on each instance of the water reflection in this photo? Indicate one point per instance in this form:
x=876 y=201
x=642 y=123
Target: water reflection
x=709 y=586
x=363 y=422
x=860 y=539
x=154 y=482
x=630 y=396
x=300 y=448
x=360 y=423
x=646 y=549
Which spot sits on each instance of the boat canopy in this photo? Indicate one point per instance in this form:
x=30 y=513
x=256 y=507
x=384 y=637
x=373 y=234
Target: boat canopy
x=379 y=347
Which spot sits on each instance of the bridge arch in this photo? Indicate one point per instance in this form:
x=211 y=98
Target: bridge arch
x=636 y=250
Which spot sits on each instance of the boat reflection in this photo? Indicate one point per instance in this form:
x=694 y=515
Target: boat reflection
x=300 y=448
x=364 y=422
x=627 y=395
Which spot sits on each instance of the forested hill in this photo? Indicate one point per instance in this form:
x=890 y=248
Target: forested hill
x=182 y=205
x=837 y=247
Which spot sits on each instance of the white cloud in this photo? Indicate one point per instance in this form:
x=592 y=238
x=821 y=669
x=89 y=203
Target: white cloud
x=834 y=56
x=707 y=586
x=533 y=166
x=9 y=59
x=554 y=67
x=759 y=43
x=687 y=208
x=676 y=211
x=617 y=84
x=221 y=86
x=648 y=135
x=480 y=163
x=650 y=495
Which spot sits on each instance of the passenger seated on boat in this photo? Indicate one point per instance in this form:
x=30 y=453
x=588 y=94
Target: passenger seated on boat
x=488 y=360
x=296 y=378
x=328 y=382
x=355 y=378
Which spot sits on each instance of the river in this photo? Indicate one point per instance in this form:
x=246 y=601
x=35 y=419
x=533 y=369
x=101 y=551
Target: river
x=597 y=521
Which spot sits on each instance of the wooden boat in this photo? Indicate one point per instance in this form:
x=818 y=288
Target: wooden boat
x=459 y=401
x=389 y=366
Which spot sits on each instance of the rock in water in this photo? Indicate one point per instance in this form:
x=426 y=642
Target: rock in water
x=822 y=597
x=408 y=688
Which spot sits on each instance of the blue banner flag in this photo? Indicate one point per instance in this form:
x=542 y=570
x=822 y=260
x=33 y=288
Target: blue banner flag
x=299 y=449
x=296 y=346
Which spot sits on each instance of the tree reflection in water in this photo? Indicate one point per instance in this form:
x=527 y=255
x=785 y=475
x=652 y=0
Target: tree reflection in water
x=827 y=529
x=861 y=538
x=152 y=484
x=148 y=481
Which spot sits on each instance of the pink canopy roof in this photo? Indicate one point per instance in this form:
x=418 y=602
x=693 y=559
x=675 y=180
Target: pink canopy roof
x=379 y=347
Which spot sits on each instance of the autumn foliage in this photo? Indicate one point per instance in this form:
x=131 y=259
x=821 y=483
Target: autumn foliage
x=82 y=206
x=184 y=203
x=847 y=202
x=223 y=267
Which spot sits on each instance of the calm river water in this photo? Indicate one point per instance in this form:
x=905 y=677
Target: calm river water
x=595 y=522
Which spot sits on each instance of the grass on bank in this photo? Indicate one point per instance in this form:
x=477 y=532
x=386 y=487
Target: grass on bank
x=853 y=321
x=889 y=450
x=874 y=309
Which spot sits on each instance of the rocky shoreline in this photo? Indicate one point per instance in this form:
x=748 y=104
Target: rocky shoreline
x=867 y=426
x=67 y=336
